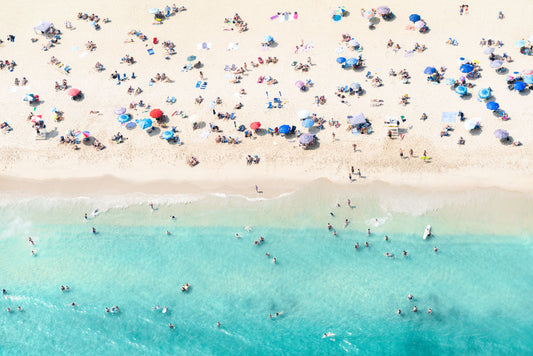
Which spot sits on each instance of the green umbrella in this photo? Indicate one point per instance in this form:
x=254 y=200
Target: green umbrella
x=191 y=58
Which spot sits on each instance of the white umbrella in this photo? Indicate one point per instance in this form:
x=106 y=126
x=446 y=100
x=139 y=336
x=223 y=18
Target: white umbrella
x=471 y=124
x=353 y=43
x=303 y=114
x=462 y=60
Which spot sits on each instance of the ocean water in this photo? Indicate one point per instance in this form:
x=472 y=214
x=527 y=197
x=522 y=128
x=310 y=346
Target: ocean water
x=478 y=283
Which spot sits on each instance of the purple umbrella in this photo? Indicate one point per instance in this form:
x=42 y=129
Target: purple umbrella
x=419 y=24
x=306 y=138
x=120 y=110
x=496 y=64
x=383 y=10
x=501 y=134
x=299 y=84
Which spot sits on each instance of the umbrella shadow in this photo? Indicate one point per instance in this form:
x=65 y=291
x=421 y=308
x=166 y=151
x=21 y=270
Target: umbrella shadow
x=503 y=71
x=314 y=146
x=89 y=141
x=346 y=13
x=154 y=132
x=375 y=20
x=467 y=96
x=202 y=124
x=508 y=141
x=525 y=92
x=260 y=132
x=476 y=132
x=80 y=97
x=389 y=17
x=53 y=133
x=314 y=130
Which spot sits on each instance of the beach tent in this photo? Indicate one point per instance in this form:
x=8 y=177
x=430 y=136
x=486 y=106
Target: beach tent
x=358 y=119
x=43 y=27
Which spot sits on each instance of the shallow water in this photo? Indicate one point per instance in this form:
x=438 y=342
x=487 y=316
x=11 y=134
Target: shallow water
x=478 y=284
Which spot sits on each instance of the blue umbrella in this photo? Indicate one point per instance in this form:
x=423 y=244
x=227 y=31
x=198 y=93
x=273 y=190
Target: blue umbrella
x=308 y=123
x=167 y=135
x=493 y=105
x=123 y=118
x=528 y=79
x=352 y=61
x=337 y=17
x=484 y=93
x=461 y=90
x=355 y=86
x=341 y=60
x=519 y=86
x=450 y=81
x=145 y=124
x=268 y=38
x=283 y=129
x=466 y=68
x=520 y=43
x=430 y=70
x=414 y=18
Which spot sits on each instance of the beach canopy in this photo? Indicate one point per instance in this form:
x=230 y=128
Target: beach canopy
x=492 y=105
x=303 y=114
x=353 y=43
x=496 y=64
x=471 y=124
x=430 y=70
x=306 y=138
x=43 y=26
x=145 y=124
x=268 y=38
x=120 y=110
x=255 y=125
x=299 y=84
x=520 y=43
x=358 y=119
x=341 y=60
x=167 y=135
x=489 y=50
x=383 y=10
x=123 y=118
x=308 y=123
x=484 y=93
x=352 y=61
x=461 y=90
x=528 y=79
x=466 y=68
x=519 y=86
x=501 y=134
x=156 y=113
x=73 y=92
x=283 y=129
x=420 y=24
x=414 y=17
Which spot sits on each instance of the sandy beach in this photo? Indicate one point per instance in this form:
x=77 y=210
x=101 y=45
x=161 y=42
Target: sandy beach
x=143 y=158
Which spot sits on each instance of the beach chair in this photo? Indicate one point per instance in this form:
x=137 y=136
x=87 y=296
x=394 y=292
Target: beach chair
x=172 y=100
x=277 y=100
x=269 y=105
x=226 y=68
x=150 y=51
x=204 y=85
x=198 y=83
x=232 y=116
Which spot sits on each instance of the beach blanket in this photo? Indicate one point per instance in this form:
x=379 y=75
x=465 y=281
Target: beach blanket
x=203 y=85
x=150 y=51
x=448 y=116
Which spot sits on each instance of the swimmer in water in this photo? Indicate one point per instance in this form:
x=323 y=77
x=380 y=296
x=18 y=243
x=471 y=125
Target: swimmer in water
x=107 y=310
x=435 y=249
x=32 y=252
x=237 y=235
x=349 y=203
x=4 y=291
x=73 y=304
x=346 y=222
x=267 y=254
x=386 y=238
x=85 y=217
x=270 y=316
x=430 y=311
x=170 y=325
x=410 y=296
x=404 y=253
x=19 y=308
x=67 y=287
x=338 y=205
x=274 y=260
x=368 y=232
x=31 y=241
x=399 y=312
x=356 y=246
x=329 y=226
x=62 y=288
x=415 y=309
x=94 y=230
x=168 y=232
x=366 y=244
x=9 y=310
x=330 y=213
x=151 y=206
x=334 y=233
x=172 y=217
x=218 y=324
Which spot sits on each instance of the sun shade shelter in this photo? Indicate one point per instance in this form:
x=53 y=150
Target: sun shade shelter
x=43 y=28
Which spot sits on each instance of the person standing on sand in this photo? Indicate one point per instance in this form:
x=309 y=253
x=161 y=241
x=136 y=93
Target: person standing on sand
x=350 y=177
x=359 y=172
x=353 y=170
x=349 y=203
x=256 y=189
x=354 y=147
x=401 y=153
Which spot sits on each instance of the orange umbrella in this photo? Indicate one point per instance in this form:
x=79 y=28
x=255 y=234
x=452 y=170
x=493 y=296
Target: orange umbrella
x=255 y=125
x=156 y=113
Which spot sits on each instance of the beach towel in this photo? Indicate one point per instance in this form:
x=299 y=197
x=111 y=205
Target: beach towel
x=204 y=85
x=448 y=116
x=274 y=17
x=212 y=104
x=198 y=83
x=150 y=51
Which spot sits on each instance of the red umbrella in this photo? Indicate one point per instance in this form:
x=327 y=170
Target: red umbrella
x=255 y=125
x=73 y=92
x=156 y=113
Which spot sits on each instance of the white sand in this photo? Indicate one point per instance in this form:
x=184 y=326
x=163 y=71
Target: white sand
x=482 y=161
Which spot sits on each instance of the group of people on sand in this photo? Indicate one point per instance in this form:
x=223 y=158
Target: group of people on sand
x=8 y=64
x=237 y=22
x=252 y=159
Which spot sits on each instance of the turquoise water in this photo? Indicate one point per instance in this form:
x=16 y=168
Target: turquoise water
x=477 y=284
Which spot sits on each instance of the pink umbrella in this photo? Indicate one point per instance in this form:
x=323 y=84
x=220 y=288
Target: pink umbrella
x=255 y=125
x=36 y=118
x=73 y=92
x=300 y=84
x=527 y=72
x=419 y=24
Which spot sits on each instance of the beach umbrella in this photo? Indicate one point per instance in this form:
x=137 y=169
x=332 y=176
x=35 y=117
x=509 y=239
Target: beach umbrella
x=73 y=92
x=368 y=14
x=120 y=110
x=337 y=17
x=484 y=93
x=492 y=105
x=306 y=138
x=430 y=70
x=520 y=43
x=528 y=79
x=466 y=68
x=268 y=38
x=80 y=135
x=519 y=86
x=355 y=86
x=414 y=17
x=299 y=84
x=36 y=118
x=123 y=118
x=255 y=125
x=145 y=124
x=489 y=50
x=28 y=97
x=462 y=60
x=352 y=61
x=461 y=90
x=341 y=60
x=496 y=64
x=191 y=58
x=353 y=43
x=283 y=129
x=303 y=114
x=449 y=81
x=527 y=72
x=153 y=10
x=420 y=24
x=156 y=113
x=530 y=39
x=167 y=135
x=501 y=134
x=383 y=10
x=307 y=123
x=471 y=124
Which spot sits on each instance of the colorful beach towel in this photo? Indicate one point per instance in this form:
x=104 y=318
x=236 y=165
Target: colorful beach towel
x=150 y=51
x=448 y=116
